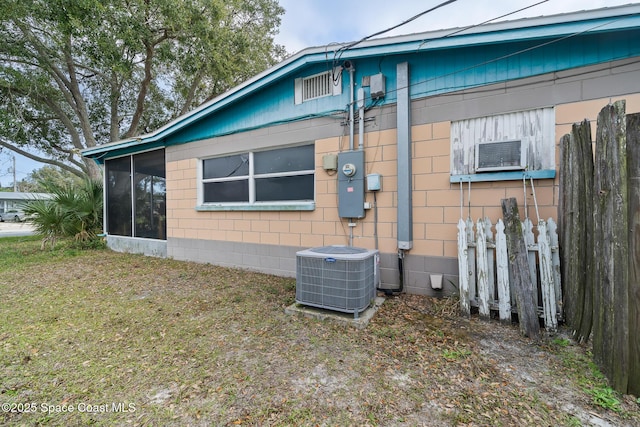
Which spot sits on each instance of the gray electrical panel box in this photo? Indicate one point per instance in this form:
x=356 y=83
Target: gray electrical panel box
x=351 y=184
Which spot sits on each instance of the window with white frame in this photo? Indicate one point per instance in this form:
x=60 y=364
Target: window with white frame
x=273 y=176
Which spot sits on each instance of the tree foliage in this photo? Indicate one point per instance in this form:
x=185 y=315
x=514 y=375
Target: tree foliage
x=80 y=73
x=40 y=180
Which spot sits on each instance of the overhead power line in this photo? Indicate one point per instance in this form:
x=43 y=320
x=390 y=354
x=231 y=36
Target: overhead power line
x=339 y=52
x=493 y=19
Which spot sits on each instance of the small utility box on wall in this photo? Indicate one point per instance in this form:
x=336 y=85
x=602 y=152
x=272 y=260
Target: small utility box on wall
x=377 y=85
x=374 y=182
x=329 y=162
x=351 y=184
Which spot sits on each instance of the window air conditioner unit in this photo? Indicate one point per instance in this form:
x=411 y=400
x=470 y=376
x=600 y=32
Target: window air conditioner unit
x=340 y=278
x=501 y=155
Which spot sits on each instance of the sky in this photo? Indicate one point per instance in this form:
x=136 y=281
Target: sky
x=308 y=23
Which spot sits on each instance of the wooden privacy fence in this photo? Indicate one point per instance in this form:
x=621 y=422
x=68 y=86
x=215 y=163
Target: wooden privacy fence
x=483 y=265
x=600 y=241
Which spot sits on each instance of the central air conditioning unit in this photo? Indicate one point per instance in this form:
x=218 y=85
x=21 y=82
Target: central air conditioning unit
x=501 y=155
x=340 y=278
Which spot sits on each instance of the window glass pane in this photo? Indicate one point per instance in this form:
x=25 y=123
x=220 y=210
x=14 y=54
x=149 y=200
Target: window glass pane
x=224 y=167
x=284 y=188
x=150 y=195
x=119 y=196
x=227 y=191
x=284 y=160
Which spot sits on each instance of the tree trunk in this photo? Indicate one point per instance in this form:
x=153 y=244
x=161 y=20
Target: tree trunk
x=524 y=288
x=94 y=171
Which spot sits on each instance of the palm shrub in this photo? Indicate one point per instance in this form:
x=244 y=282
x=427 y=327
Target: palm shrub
x=73 y=211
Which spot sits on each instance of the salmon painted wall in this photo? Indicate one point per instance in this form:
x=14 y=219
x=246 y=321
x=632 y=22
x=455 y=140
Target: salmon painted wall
x=436 y=201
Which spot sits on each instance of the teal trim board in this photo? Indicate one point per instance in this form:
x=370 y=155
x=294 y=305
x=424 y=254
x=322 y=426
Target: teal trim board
x=504 y=176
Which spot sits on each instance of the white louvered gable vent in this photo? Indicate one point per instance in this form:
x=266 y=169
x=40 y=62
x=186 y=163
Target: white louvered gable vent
x=501 y=155
x=318 y=86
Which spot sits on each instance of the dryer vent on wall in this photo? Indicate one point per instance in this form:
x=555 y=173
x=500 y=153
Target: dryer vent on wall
x=340 y=278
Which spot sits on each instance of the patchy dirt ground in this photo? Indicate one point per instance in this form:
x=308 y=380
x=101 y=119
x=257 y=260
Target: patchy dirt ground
x=179 y=343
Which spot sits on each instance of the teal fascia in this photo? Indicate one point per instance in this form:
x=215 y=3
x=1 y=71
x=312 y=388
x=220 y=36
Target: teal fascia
x=404 y=47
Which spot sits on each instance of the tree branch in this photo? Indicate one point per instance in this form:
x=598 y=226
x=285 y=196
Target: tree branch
x=55 y=108
x=191 y=94
x=81 y=106
x=82 y=172
x=142 y=94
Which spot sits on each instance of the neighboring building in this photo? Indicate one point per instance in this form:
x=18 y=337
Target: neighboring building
x=11 y=203
x=452 y=121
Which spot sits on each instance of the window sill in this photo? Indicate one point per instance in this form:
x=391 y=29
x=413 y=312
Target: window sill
x=299 y=206
x=504 y=176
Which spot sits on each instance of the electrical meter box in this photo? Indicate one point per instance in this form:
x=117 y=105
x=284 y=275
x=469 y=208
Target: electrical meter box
x=351 y=180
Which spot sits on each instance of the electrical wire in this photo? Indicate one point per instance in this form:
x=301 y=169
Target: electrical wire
x=339 y=52
x=497 y=59
x=337 y=55
x=486 y=22
x=519 y=52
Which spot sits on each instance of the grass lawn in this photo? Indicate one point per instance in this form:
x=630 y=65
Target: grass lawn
x=101 y=338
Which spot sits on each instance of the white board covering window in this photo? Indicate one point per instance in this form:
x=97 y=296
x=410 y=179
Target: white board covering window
x=516 y=141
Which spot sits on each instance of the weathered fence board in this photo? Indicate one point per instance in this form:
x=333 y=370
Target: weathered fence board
x=610 y=326
x=633 y=165
x=482 y=270
x=555 y=265
x=502 y=270
x=530 y=242
x=599 y=212
x=546 y=279
x=471 y=259
x=463 y=268
x=491 y=248
x=519 y=270
x=576 y=217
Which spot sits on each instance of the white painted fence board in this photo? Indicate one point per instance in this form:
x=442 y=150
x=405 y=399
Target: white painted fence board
x=463 y=268
x=502 y=274
x=471 y=259
x=485 y=281
x=546 y=279
x=530 y=241
x=482 y=270
x=491 y=262
x=555 y=261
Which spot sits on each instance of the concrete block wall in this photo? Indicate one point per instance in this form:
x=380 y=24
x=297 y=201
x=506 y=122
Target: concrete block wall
x=267 y=240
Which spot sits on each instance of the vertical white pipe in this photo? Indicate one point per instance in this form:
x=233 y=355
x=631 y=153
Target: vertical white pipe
x=351 y=107
x=361 y=119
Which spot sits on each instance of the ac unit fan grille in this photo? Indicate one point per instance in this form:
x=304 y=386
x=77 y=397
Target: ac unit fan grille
x=504 y=155
x=346 y=285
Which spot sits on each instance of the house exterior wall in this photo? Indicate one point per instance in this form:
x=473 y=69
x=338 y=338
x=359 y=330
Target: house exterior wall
x=268 y=240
